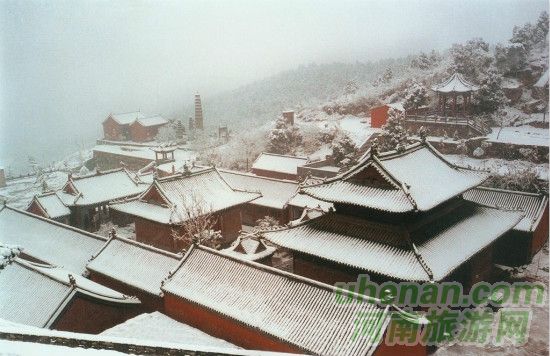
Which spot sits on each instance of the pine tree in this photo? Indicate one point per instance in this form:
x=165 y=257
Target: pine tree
x=490 y=96
x=471 y=58
x=417 y=96
x=283 y=138
x=344 y=151
x=395 y=136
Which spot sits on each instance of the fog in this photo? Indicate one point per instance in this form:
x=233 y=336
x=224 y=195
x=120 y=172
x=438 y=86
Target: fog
x=64 y=65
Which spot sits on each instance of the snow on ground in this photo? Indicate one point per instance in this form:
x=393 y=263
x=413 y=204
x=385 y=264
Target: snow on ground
x=520 y=135
x=537 y=344
x=499 y=166
x=19 y=192
x=127 y=232
x=357 y=128
x=144 y=152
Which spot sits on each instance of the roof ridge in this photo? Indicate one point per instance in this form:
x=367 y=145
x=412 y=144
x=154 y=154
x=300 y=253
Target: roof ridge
x=147 y=247
x=502 y=190
x=53 y=222
x=97 y=173
x=282 y=155
x=252 y=175
x=177 y=176
x=420 y=259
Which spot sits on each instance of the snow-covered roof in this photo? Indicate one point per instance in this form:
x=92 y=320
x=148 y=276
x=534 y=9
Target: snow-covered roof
x=100 y=187
x=305 y=201
x=277 y=303
x=35 y=294
x=275 y=192
x=521 y=135
x=417 y=179
x=159 y=327
x=440 y=245
x=543 y=80
x=127 y=118
x=249 y=248
x=152 y=121
x=531 y=204
x=48 y=241
x=181 y=191
x=135 y=264
x=455 y=84
x=396 y=106
x=279 y=163
x=142 y=152
x=52 y=205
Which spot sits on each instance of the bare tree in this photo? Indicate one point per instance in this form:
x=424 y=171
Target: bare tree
x=197 y=223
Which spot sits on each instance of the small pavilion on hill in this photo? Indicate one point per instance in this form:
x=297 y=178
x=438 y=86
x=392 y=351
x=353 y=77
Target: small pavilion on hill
x=457 y=92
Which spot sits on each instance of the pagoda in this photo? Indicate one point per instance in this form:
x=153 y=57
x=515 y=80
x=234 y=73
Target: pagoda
x=451 y=90
x=398 y=216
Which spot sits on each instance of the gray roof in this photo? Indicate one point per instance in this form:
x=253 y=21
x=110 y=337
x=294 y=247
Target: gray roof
x=432 y=251
x=35 y=295
x=135 y=264
x=533 y=205
x=47 y=240
x=100 y=187
x=204 y=190
x=455 y=84
x=417 y=179
x=52 y=205
x=294 y=309
x=275 y=192
x=249 y=248
x=279 y=163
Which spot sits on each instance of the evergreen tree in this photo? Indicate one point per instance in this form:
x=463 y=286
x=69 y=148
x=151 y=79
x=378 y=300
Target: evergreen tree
x=471 y=58
x=490 y=96
x=395 y=136
x=417 y=96
x=344 y=151
x=283 y=138
x=510 y=59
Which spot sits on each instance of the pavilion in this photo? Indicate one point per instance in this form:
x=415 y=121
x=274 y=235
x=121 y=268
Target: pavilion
x=451 y=90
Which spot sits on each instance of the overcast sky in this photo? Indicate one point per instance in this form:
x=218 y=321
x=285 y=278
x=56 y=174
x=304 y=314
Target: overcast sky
x=64 y=65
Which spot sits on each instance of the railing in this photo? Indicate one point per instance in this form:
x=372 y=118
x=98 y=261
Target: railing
x=450 y=120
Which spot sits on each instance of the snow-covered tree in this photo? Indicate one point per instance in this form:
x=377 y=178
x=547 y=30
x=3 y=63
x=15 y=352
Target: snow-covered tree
x=510 y=59
x=167 y=133
x=394 y=136
x=528 y=35
x=388 y=75
x=344 y=151
x=417 y=96
x=490 y=96
x=283 y=138
x=7 y=254
x=266 y=223
x=471 y=58
x=426 y=61
x=351 y=87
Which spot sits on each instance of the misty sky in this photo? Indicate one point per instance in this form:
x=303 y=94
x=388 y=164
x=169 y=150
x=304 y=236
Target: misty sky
x=64 y=65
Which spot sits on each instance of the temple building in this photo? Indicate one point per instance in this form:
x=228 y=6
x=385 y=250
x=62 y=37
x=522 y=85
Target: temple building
x=51 y=297
x=398 y=216
x=172 y=202
x=132 y=126
x=277 y=166
x=50 y=206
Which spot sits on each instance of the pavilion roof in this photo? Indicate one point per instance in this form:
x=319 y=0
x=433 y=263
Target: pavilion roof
x=52 y=205
x=429 y=252
x=297 y=310
x=417 y=179
x=455 y=84
x=249 y=248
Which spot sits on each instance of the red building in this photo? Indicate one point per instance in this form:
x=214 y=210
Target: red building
x=278 y=166
x=88 y=197
x=47 y=241
x=379 y=114
x=273 y=202
x=521 y=244
x=146 y=129
x=398 y=216
x=116 y=127
x=134 y=269
x=50 y=206
x=171 y=201
x=54 y=298
x=262 y=308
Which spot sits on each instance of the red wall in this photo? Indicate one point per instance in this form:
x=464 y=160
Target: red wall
x=114 y=131
x=87 y=315
x=149 y=302
x=379 y=116
x=540 y=235
x=217 y=325
x=35 y=209
x=140 y=133
x=322 y=270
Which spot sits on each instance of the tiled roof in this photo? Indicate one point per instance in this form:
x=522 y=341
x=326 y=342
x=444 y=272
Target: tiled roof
x=127 y=118
x=35 y=294
x=159 y=327
x=152 y=121
x=206 y=188
x=296 y=310
x=418 y=179
x=134 y=264
x=275 y=192
x=52 y=205
x=101 y=187
x=532 y=205
x=455 y=84
x=249 y=248
x=305 y=201
x=386 y=250
x=279 y=163
x=47 y=240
